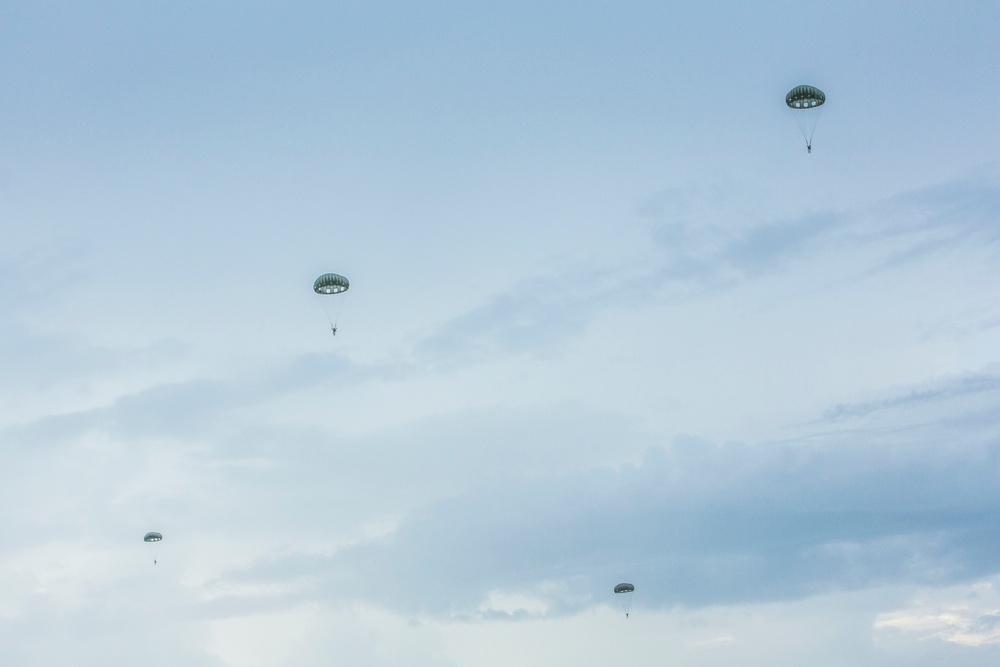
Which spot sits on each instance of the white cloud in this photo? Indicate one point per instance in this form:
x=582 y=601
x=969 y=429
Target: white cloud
x=968 y=615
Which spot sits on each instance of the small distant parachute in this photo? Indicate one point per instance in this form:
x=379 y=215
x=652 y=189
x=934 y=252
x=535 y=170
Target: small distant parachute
x=807 y=103
x=153 y=539
x=624 y=593
x=330 y=284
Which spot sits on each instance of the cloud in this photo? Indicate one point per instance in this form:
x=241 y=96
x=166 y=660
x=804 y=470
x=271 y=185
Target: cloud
x=694 y=524
x=167 y=411
x=968 y=615
x=701 y=244
x=534 y=316
x=700 y=248
x=986 y=384
x=102 y=610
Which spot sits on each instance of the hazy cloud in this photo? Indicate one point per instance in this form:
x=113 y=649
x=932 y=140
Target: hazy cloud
x=696 y=524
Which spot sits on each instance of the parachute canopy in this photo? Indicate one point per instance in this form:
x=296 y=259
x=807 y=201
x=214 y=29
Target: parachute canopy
x=624 y=588
x=152 y=537
x=805 y=97
x=331 y=283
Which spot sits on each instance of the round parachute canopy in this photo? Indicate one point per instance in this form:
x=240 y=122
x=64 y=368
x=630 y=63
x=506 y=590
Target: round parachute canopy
x=152 y=537
x=331 y=283
x=624 y=588
x=805 y=97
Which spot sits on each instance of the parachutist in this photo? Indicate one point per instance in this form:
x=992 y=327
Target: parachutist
x=328 y=284
x=807 y=103
x=153 y=538
x=625 y=590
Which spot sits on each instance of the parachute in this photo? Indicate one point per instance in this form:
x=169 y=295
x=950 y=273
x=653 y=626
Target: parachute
x=153 y=539
x=330 y=284
x=807 y=103
x=624 y=593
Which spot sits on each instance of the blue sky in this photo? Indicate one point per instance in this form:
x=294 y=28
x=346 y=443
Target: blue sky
x=608 y=321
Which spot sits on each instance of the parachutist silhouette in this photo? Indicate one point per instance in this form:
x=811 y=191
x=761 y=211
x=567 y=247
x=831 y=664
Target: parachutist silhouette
x=807 y=103
x=332 y=284
x=625 y=590
x=153 y=538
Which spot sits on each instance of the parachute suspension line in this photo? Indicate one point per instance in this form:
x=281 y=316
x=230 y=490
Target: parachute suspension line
x=807 y=123
x=326 y=311
x=336 y=316
x=153 y=539
x=811 y=125
x=340 y=307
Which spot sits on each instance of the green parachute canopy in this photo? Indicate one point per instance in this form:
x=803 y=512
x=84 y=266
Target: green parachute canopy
x=152 y=537
x=805 y=97
x=624 y=588
x=331 y=283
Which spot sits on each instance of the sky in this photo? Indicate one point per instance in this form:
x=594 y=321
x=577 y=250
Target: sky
x=608 y=322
